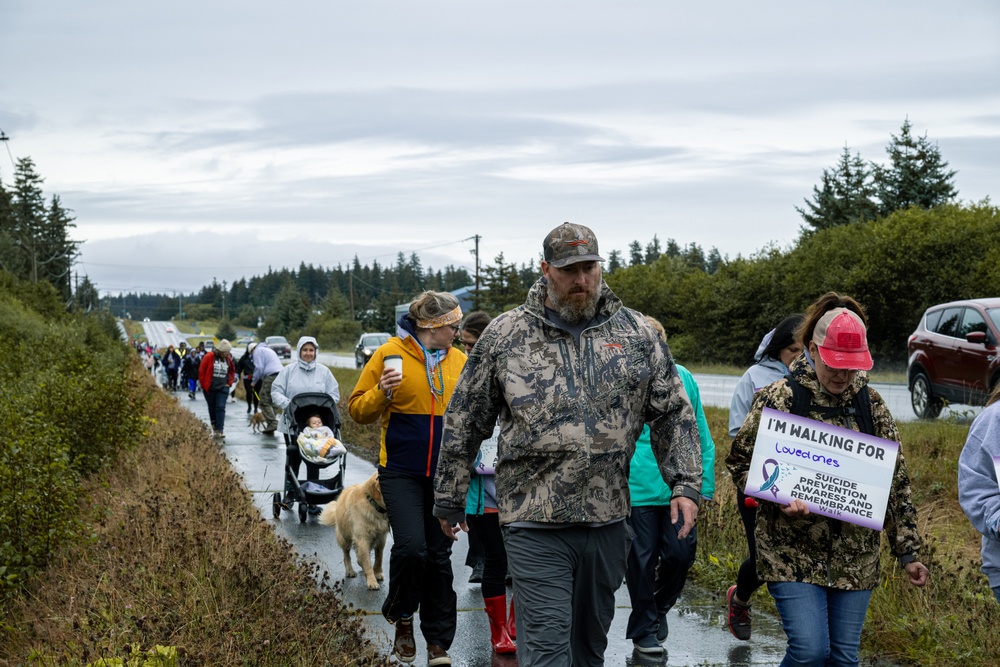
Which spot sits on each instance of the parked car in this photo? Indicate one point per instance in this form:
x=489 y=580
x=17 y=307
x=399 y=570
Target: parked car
x=280 y=346
x=953 y=355
x=245 y=340
x=209 y=345
x=367 y=344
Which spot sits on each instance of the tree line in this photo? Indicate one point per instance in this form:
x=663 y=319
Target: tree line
x=891 y=235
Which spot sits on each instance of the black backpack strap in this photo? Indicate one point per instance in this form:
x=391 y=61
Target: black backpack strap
x=801 y=398
x=862 y=404
x=860 y=410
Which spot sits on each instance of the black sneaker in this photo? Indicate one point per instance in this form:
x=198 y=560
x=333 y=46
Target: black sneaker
x=662 y=629
x=647 y=645
x=738 y=618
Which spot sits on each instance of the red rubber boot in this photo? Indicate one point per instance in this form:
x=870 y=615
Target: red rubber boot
x=496 y=610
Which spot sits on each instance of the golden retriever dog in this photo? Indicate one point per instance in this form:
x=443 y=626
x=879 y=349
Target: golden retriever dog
x=257 y=421
x=360 y=519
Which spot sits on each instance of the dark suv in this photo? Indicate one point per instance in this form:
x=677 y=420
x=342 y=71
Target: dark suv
x=280 y=346
x=367 y=345
x=953 y=355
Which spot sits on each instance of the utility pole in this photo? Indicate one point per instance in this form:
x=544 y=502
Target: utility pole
x=475 y=299
x=350 y=288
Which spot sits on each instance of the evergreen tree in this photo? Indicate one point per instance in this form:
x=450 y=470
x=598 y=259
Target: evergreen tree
x=845 y=195
x=614 y=261
x=57 y=250
x=29 y=216
x=635 y=254
x=917 y=175
x=289 y=311
x=87 y=297
x=335 y=305
x=226 y=331
x=713 y=261
x=652 y=250
x=673 y=250
x=501 y=286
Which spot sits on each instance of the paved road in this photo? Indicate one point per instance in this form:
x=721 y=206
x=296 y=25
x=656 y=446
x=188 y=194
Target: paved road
x=697 y=633
x=717 y=391
x=163 y=333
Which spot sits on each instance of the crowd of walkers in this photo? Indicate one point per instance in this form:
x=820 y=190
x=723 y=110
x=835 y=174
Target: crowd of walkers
x=564 y=436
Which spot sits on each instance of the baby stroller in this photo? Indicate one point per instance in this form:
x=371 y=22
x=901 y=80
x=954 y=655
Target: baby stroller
x=313 y=490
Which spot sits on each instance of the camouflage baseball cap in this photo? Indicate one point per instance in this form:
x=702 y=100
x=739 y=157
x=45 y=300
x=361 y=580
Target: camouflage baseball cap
x=568 y=244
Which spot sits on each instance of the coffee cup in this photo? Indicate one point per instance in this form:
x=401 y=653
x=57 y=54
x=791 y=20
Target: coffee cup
x=395 y=362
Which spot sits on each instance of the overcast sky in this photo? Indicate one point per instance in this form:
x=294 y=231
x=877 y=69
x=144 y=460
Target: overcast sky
x=214 y=139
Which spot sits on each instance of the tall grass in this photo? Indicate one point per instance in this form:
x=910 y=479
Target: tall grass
x=952 y=621
x=177 y=555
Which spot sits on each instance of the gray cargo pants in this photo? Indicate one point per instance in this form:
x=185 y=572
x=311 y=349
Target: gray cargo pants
x=564 y=590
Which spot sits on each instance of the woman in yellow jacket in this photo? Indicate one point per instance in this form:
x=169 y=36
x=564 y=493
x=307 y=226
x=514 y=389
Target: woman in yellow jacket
x=411 y=405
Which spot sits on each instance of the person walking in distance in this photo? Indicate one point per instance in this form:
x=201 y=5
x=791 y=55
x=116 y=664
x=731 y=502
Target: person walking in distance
x=572 y=375
x=266 y=368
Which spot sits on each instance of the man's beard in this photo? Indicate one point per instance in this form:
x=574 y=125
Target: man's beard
x=572 y=310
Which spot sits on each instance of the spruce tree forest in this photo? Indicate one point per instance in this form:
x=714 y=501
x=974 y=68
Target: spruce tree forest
x=892 y=234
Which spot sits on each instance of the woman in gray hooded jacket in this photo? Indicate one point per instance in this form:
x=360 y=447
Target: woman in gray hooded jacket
x=304 y=375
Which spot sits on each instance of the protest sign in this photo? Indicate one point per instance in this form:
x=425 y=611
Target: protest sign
x=837 y=472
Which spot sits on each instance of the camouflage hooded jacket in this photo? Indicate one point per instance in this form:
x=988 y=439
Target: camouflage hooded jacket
x=816 y=549
x=569 y=415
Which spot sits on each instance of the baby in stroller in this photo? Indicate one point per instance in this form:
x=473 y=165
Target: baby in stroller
x=317 y=444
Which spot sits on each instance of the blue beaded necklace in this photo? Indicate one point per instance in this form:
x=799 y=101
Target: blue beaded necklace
x=430 y=371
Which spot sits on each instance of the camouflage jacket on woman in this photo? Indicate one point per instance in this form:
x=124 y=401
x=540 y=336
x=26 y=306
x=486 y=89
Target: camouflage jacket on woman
x=569 y=415
x=815 y=549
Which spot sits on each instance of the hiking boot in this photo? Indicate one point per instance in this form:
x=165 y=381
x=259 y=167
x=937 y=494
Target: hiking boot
x=437 y=656
x=738 y=618
x=662 y=629
x=647 y=645
x=477 y=574
x=404 y=647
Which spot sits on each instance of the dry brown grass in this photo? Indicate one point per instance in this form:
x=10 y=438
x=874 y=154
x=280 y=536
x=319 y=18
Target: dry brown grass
x=179 y=556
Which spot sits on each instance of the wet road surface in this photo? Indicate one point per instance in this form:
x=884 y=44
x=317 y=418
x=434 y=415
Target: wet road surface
x=698 y=635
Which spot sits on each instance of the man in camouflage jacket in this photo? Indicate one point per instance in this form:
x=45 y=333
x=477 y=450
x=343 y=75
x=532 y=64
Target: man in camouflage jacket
x=572 y=375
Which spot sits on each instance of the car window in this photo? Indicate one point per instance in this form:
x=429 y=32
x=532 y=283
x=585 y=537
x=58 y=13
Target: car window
x=994 y=314
x=972 y=321
x=950 y=322
x=933 y=319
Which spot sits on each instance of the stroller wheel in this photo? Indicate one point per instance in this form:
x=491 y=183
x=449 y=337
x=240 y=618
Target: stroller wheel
x=302 y=512
x=276 y=505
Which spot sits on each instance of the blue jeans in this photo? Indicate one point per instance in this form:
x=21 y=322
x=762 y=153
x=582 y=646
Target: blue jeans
x=996 y=593
x=217 y=408
x=823 y=624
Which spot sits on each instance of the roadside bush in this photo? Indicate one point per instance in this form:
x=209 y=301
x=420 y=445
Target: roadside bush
x=69 y=400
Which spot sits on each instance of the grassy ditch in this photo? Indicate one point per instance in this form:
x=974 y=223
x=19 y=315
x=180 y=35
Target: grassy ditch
x=174 y=554
x=952 y=621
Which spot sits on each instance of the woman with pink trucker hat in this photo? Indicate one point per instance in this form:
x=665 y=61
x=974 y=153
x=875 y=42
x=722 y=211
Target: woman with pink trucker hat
x=820 y=570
